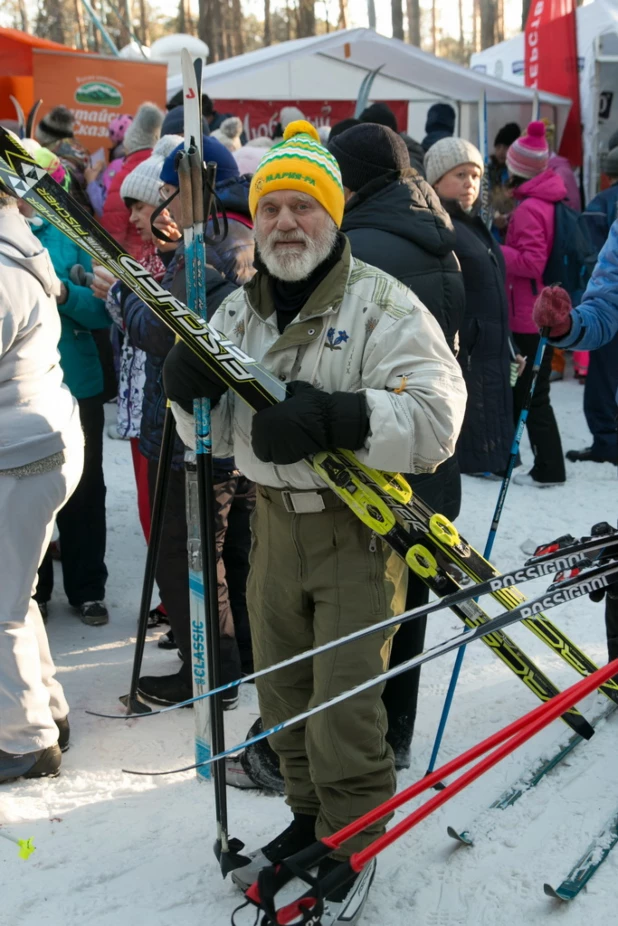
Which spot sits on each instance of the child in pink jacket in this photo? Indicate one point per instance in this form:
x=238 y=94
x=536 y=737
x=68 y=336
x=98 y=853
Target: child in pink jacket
x=529 y=241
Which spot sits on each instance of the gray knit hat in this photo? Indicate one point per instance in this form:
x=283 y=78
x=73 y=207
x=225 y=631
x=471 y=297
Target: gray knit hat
x=610 y=163
x=143 y=183
x=145 y=129
x=448 y=153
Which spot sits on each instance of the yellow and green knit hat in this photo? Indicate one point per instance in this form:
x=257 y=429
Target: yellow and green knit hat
x=300 y=163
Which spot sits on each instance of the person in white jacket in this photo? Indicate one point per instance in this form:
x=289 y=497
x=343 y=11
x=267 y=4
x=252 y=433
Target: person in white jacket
x=367 y=368
x=41 y=459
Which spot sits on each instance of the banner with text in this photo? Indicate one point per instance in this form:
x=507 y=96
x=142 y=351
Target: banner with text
x=96 y=90
x=551 y=63
x=260 y=117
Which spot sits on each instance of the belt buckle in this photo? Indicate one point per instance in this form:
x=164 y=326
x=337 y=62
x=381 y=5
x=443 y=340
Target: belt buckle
x=302 y=502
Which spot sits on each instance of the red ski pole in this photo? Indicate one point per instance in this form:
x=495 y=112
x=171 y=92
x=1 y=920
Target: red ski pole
x=506 y=741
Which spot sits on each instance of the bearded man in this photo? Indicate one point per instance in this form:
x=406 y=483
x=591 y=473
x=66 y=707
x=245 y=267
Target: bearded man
x=368 y=369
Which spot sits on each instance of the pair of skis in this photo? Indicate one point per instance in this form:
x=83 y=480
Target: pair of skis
x=26 y=123
x=383 y=502
x=309 y=907
x=196 y=191
x=570 y=589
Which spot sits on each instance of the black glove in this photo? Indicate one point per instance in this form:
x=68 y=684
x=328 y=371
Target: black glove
x=308 y=421
x=186 y=377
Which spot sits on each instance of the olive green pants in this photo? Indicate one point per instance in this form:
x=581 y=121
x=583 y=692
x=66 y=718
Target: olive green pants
x=314 y=578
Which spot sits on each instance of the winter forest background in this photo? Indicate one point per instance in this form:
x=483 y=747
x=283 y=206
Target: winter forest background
x=449 y=28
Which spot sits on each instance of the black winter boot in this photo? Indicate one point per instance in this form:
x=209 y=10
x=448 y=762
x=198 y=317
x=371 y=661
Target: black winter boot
x=44 y=763
x=297 y=836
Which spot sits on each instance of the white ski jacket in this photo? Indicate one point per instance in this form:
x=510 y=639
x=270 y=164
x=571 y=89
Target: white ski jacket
x=38 y=415
x=361 y=330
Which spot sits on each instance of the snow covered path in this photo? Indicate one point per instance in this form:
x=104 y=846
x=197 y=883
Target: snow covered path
x=115 y=850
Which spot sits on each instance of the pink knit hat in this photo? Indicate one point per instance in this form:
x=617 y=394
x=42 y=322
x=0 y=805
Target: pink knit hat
x=529 y=154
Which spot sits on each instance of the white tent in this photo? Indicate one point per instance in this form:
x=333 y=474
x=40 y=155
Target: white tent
x=597 y=47
x=331 y=67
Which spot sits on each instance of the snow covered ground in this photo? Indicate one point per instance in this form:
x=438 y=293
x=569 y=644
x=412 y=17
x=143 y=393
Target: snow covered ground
x=115 y=850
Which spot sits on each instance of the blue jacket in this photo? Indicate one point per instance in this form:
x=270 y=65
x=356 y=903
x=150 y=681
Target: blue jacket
x=156 y=339
x=80 y=314
x=600 y=214
x=595 y=320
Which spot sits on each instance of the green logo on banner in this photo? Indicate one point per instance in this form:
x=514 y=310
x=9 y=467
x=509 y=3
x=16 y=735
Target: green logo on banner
x=99 y=94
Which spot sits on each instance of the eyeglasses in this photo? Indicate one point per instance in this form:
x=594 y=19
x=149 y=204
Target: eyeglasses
x=165 y=191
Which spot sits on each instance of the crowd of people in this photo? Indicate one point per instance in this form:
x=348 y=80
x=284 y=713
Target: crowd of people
x=360 y=270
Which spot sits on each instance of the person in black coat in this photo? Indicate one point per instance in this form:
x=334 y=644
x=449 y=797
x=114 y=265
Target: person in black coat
x=455 y=168
x=394 y=220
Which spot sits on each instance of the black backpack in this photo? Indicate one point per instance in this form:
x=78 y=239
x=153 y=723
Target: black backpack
x=573 y=254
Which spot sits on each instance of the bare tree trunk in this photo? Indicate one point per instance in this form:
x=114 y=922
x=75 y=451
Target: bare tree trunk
x=23 y=16
x=414 y=22
x=397 y=19
x=461 y=30
x=189 y=18
x=525 y=9
x=488 y=23
x=182 y=23
x=79 y=22
x=206 y=28
x=475 y=25
x=238 y=21
x=124 y=22
x=434 y=30
x=306 y=18
x=267 y=32
x=288 y=21
x=499 y=20
x=371 y=13
x=342 y=22
x=144 y=29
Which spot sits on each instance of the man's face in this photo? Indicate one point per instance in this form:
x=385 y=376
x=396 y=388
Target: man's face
x=500 y=153
x=294 y=234
x=174 y=208
x=140 y=217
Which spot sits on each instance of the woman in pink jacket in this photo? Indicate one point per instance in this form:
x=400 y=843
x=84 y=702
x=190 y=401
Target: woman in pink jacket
x=529 y=241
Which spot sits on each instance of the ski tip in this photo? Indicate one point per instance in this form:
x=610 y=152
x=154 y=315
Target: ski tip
x=464 y=837
x=553 y=893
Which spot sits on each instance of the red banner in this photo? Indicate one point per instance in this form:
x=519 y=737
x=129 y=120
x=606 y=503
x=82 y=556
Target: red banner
x=551 y=63
x=259 y=117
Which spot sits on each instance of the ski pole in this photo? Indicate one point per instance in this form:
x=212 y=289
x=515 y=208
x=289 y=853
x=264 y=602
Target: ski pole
x=131 y=700
x=576 y=587
x=549 y=563
x=503 y=743
x=489 y=545
x=198 y=205
x=226 y=850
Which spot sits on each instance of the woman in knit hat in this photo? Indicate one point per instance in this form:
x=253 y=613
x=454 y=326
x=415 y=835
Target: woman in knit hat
x=455 y=168
x=529 y=239
x=139 y=140
x=140 y=193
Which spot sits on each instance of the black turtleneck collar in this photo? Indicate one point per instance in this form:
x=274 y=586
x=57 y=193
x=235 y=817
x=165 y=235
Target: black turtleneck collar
x=290 y=297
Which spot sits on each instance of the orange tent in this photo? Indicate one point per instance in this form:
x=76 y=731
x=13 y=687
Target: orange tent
x=16 y=68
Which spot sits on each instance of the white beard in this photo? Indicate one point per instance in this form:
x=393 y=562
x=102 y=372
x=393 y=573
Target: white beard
x=295 y=264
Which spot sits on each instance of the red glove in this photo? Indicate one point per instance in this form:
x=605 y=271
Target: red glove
x=552 y=310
